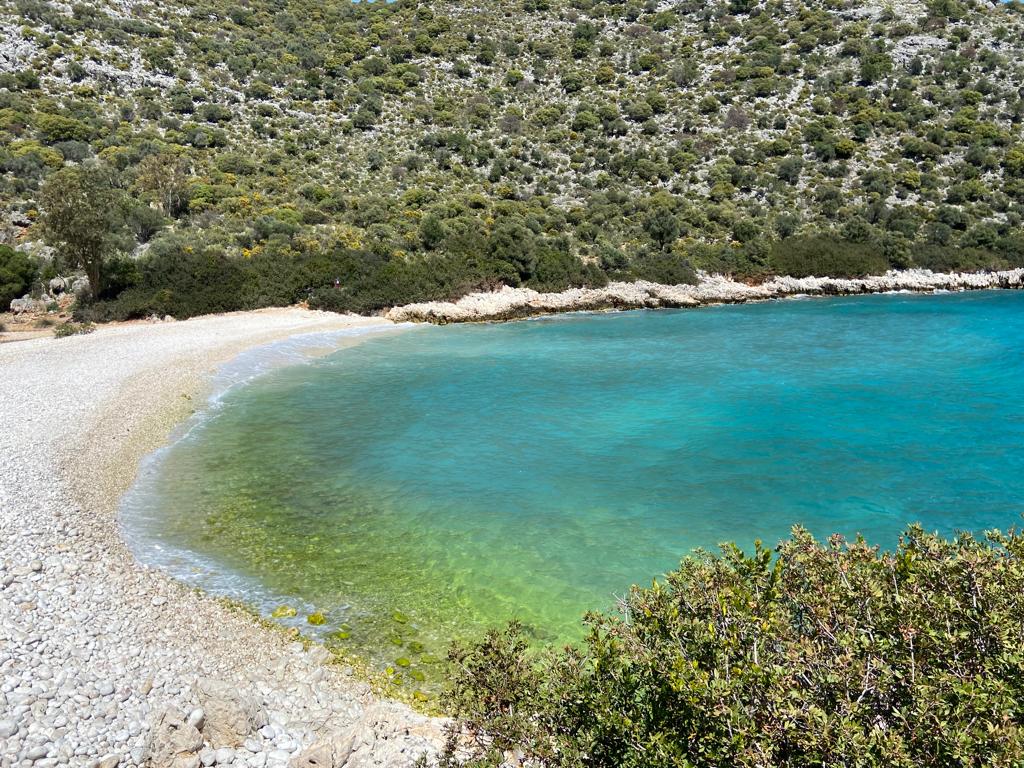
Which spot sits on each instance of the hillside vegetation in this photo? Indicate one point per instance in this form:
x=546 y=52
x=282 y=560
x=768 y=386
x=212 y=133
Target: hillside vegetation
x=255 y=153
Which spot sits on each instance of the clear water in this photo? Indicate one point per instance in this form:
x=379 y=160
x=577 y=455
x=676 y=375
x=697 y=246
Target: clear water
x=465 y=475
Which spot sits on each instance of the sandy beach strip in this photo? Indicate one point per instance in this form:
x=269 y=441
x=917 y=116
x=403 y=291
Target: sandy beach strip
x=94 y=648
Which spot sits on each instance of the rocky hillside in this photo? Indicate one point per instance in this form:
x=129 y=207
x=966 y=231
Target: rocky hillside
x=421 y=150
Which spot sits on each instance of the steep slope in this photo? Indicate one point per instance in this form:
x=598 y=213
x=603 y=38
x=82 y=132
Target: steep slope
x=416 y=151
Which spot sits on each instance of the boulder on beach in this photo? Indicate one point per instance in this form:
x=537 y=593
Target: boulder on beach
x=230 y=714
x=173 y=742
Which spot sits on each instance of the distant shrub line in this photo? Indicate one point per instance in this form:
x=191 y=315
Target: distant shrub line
x=181 y=278
x=816 y=654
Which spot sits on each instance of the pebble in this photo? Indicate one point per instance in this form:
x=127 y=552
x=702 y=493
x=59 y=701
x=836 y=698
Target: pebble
x=36 y=753
x=196 y=718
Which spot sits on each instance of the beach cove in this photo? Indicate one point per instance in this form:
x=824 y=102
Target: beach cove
x=426 y=486
x=90 y=631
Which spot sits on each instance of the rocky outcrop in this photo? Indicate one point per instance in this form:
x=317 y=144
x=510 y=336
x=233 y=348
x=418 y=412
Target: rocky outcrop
x=331 y=753
x=230 y=714
x=915 y=45
x=60 y=284
x=173 y=742
x=512 y=303
x=26 y=304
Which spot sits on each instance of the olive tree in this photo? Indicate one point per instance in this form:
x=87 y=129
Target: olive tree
x=84 y=212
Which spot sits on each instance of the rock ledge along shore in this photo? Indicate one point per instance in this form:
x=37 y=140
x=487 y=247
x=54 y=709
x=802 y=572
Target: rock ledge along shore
x=106 y=663
x=512 y=303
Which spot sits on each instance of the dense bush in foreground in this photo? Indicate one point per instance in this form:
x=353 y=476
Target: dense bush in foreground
x=825 y=654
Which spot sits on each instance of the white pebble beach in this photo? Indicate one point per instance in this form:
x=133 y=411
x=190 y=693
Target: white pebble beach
x=97 y=652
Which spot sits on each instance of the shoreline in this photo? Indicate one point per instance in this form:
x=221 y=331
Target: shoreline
x=130 y=499
x=519 y=303
x=95 y=647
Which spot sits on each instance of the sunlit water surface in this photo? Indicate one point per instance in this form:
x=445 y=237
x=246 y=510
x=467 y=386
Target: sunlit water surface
x=424 y=485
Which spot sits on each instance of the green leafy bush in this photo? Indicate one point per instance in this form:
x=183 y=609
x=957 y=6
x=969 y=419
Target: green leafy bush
x=819 y=654
x=73 y=329
x=17 y=272
x=394 y=282
x=176 y=280
x=664 y=267
x=826 y=256
x=940 y=258
x=556 y=270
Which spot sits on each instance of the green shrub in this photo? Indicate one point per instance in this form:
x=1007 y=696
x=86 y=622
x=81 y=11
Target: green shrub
x=402 y=281
x=176 y=280
x=825 y=654
x=17 y=272
x=57 y=128
x=823 y=256
x=664 y=267
x=73 y=329
x=557 y=269
x=944 y=258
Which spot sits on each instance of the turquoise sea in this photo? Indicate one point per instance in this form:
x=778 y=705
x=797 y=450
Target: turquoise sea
x=426 y=484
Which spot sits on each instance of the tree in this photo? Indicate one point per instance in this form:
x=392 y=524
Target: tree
x=164 y=178
x=84 y=217
x=432 y=231
x=873 y=67
x=1015 y=161
x=513 y=243
x=662 y=225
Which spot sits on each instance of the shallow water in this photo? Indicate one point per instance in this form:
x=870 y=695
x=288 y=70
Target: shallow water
x=461 y=476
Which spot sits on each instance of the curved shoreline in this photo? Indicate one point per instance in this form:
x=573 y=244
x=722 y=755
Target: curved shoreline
x=518 y=303
x=137 y=518
x=94 y=647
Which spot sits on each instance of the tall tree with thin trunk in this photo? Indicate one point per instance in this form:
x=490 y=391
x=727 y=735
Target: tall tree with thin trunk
x=84 y=217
